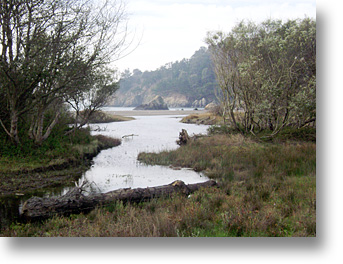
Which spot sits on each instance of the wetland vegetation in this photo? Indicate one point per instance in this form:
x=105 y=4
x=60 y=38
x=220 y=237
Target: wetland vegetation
x=265 y=189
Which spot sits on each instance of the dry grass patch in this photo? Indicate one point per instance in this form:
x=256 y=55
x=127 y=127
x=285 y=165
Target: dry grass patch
x=207 y=118
x=106 y=117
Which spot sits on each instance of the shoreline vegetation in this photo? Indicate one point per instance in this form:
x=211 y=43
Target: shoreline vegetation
x=58 y=163
x=20 y=176
x=107 y=117
x=265 y=189
x=203 y=118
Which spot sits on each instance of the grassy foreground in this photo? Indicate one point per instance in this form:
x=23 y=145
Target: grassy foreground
x=266 y=189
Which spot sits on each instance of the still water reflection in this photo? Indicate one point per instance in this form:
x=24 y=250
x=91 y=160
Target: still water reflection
x=118 y=167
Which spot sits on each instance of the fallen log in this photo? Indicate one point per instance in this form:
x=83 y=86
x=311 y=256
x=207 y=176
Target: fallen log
x=75 y=202
x=132 y=135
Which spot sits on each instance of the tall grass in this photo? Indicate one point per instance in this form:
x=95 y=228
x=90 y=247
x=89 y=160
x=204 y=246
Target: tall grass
x=221 y=154
x=241 y=210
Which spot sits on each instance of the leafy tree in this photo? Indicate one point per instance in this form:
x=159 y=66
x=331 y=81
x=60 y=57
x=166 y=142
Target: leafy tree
x=269 y=72
x=46 y=48
x=91 y=96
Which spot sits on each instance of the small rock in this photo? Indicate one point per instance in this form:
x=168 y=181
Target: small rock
x=155 y=104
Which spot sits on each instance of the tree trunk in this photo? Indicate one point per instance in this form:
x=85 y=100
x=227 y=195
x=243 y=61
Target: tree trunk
x=75 y=202
x=14 y=127
x=51 y=126
x=39 y=128
x=36 y=131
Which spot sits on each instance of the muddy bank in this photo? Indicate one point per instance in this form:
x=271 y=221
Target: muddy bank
x=21 y=182
x=62 y=172
x=202 y=118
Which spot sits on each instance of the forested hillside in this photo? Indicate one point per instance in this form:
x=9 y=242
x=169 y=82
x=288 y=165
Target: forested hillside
x=189 y=82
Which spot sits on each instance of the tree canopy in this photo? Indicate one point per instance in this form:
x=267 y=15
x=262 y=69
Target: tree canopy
x=53 y=52
x=268 y=71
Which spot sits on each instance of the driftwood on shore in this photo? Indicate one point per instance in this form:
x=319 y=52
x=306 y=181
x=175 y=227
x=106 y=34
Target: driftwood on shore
x=75 y=202
x=132 y=135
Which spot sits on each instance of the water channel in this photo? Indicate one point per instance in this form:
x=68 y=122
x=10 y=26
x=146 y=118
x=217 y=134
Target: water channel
x=118 y=167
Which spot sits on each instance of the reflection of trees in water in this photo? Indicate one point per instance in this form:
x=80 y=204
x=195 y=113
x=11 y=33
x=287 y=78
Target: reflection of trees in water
x=9 y=210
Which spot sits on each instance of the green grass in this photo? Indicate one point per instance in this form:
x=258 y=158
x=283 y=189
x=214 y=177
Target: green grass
x=221 y=154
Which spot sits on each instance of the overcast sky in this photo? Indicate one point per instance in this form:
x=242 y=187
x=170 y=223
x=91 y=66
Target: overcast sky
x=170 y=30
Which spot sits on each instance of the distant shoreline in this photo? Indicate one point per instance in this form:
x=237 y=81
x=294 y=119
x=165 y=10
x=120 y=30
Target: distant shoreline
x=155 y=112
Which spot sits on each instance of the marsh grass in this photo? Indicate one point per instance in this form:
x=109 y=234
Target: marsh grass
x=265 y=189
x=207 y=118
x=222 y=155
x=107 y=117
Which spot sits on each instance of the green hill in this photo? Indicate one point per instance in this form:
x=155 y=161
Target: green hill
x=186 y=83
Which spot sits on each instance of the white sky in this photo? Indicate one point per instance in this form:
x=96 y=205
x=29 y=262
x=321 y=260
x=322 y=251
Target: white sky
x=170 y=30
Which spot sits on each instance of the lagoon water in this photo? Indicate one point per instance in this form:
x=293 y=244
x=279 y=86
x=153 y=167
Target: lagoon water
x=118 y=167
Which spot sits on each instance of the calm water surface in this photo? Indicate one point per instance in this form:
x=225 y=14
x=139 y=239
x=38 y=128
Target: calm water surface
x=118 y=167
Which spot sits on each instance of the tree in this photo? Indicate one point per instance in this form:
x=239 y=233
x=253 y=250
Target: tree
x=268 y=71
x=91 y=96
x=48 y=46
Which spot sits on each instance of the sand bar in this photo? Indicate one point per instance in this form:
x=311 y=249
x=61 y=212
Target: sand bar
x=156 y=112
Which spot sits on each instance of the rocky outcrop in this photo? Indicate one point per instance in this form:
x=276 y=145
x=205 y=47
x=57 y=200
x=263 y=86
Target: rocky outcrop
x=199 y=103
x=176 y=100
x=155 y=104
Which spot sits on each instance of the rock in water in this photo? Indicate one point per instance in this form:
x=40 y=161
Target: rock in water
x=155 y=104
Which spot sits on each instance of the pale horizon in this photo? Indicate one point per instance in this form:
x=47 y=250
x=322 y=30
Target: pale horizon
x=165 y=31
